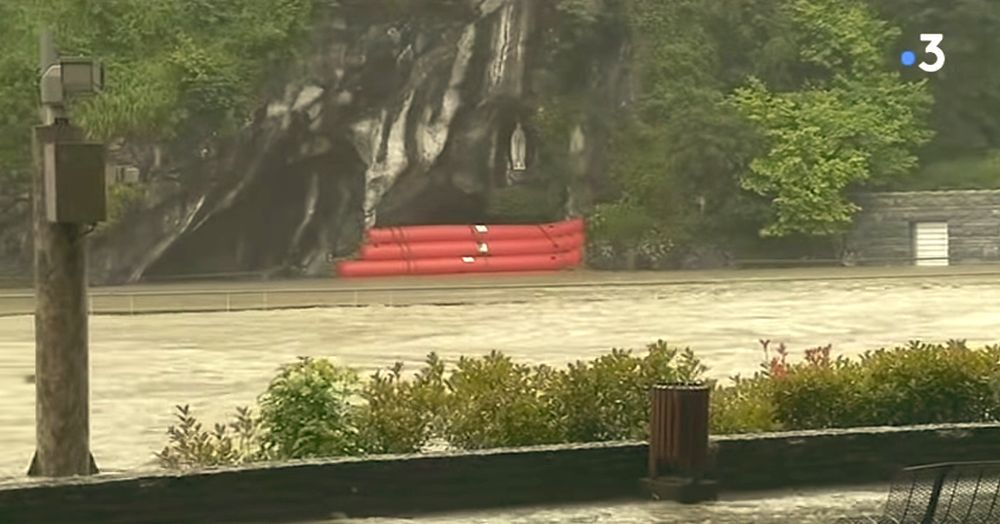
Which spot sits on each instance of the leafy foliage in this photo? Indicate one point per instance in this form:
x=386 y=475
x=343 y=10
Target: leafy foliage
x=966 y=95
x=931 y=383
x=852 y=123
x=178 y=64
x=677 y=155
x=176 y=68
x=307 y=411
x=754 y=116
x=494 y=402
x=820 y=394
x=979 y=171
x=315 y=409
x=744 y=406
x=192 y=446
x=622 y=223
x=402 y=415
x=17 y=101
x=123 y=199
x=396 y=10
x=608 y=398
x=918 y=383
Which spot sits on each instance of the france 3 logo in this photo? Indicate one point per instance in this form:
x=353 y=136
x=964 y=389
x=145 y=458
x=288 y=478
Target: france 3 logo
x=933 y=50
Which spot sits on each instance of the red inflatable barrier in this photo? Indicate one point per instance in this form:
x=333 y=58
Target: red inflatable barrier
x=451 y=265
x=413 y=234
x=471 y=248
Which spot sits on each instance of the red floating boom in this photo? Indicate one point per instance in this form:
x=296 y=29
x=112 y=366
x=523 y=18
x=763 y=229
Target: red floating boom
x=414 y=234
x=441 y=250
x=471 y=248
x=454 y=265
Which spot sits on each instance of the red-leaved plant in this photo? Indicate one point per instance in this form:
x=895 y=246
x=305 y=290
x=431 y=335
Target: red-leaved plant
x=819 y=356
x=777 y=366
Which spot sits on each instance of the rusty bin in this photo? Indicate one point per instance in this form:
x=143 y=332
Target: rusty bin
x=678 y=432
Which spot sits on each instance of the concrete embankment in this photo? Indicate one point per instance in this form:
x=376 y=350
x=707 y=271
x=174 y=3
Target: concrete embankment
x=447 y=290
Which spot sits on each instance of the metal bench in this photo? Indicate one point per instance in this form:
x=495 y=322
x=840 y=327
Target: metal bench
x=948 y=493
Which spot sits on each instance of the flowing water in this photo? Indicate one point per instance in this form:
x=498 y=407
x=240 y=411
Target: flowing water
x=142 y=366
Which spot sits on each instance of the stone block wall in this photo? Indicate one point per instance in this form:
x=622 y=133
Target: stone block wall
x=846 y=456
x=882 y=233
x=407 y=485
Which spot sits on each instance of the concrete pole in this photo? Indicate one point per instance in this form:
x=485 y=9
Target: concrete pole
x=62 y=382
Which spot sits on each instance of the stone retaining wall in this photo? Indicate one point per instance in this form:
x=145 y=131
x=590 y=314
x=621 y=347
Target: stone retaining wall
x=882 y=230
x=850 y=456
x=402 y=485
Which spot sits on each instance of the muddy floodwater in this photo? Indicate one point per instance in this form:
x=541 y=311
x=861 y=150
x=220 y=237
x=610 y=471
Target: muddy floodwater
x=143 y=365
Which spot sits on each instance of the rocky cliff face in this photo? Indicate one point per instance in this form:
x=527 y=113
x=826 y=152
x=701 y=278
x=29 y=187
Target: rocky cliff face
x=381 y=122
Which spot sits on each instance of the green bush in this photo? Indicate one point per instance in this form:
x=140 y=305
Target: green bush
x=307 y=411
x=401 y=415
x=812 y=397
x=494 y=402
x=621 y=224
x=746 y=406
x=914 y=384
x=817 y=393
x=608 y=398
x=191 y=446
x=931 y=383
x=624 y=235
x=314 y=408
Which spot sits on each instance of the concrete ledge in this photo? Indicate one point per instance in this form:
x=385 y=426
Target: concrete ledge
x=404 y=485
x=846 y=456
x=453 y=290
x=390 y=485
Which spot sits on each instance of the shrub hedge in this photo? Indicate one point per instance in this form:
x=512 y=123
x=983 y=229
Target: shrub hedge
x=314 y=408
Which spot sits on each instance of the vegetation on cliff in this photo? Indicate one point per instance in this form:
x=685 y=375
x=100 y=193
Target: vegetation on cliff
x=182 y=72
x=758 y=118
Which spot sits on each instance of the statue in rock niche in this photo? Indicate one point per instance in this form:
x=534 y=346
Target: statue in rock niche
x=518 y=149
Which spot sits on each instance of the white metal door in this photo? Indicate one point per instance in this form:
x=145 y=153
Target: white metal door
x=930 y=241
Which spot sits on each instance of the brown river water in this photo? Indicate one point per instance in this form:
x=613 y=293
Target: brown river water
x=143 y=365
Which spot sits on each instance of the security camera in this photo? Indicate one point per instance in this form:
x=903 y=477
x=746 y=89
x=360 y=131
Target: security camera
x=81 y=76
x=71 y=77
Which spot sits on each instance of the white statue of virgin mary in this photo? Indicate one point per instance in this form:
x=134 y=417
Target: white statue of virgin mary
x=518 y=149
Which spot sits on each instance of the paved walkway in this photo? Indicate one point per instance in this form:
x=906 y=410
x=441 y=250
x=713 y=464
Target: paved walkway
x=815 y=506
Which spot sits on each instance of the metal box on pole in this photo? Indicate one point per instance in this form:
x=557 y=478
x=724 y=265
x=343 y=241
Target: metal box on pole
x=75 y=189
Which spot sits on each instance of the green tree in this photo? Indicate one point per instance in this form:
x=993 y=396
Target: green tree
x=177 y=68
x=853 y=121
x=677 y=155
x=967 y=91
x=17 y=107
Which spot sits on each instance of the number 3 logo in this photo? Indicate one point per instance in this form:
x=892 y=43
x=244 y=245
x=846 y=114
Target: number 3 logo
x=933 y=41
